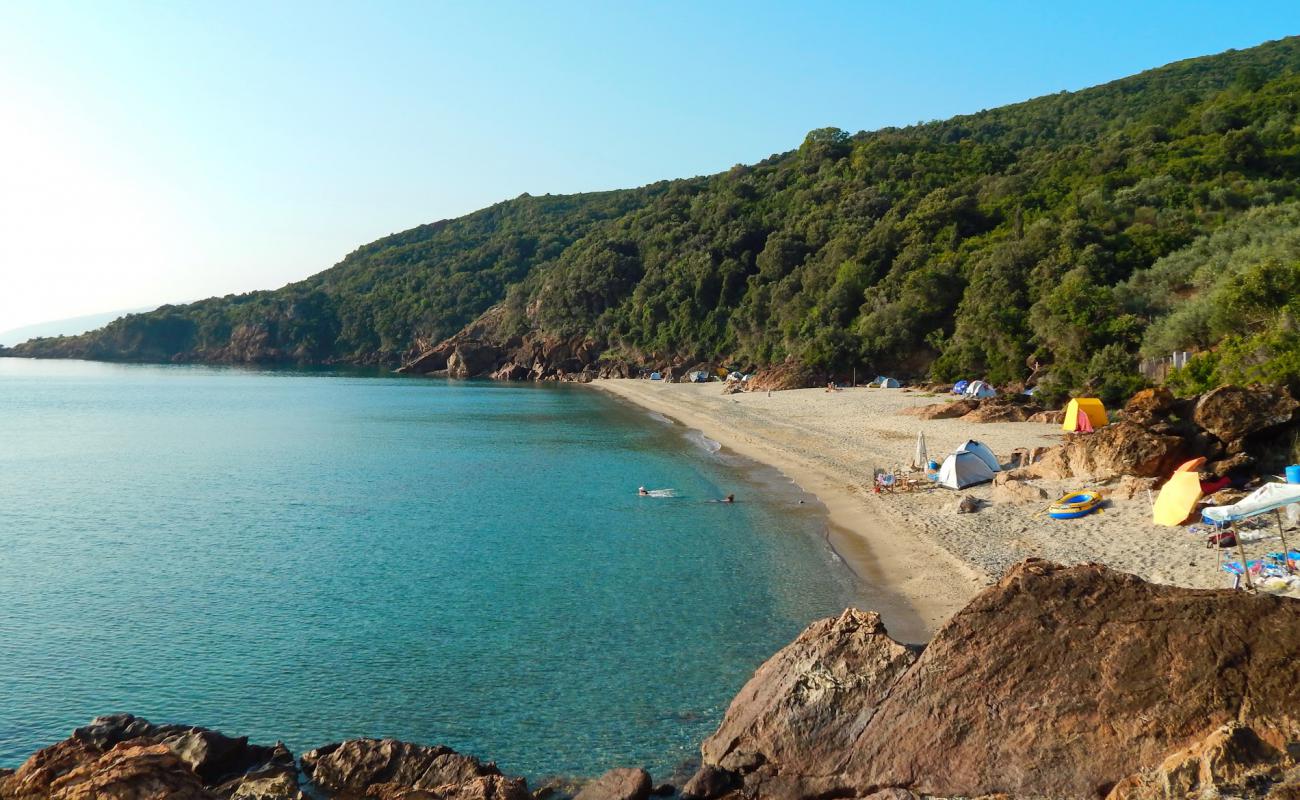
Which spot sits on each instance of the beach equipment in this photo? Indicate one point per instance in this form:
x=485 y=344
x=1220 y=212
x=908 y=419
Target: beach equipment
x=962 y=469
x=960 y=387
x=1293 y=473
x=920 y=458
x=980 y=390
x=983 y=452
x=1269 y=497
x=885 y=383
x=699 y=376
x=1177 y=499
x=1084 y=414
x=655 y=376
x=1191 y=466
x=1075 y=505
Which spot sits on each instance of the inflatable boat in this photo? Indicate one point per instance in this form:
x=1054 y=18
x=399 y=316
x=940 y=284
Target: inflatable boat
x=1075 y=505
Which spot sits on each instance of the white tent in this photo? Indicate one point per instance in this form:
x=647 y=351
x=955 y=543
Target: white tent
x=1266 y=498
x=962 y=469
x=982 y=450
x=980 y=390
x=886 y=383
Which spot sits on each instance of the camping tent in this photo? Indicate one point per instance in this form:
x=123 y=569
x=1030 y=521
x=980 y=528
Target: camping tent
x=655 y=376
x=982 y=450
x=960 y=387
x=699 y=376
x=962 y=469
x=980 y=390
x=885 y=383
x=1177 y=499
x=1084 y=413
x=1266 y=498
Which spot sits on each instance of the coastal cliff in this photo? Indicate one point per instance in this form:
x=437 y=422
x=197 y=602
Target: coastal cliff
x=1055 y=682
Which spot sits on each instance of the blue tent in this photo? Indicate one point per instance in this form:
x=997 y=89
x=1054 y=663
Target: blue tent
x=960 y=386
x=655 y=376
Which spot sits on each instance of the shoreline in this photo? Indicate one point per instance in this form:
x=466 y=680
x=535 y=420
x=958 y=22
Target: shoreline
x=915 y=584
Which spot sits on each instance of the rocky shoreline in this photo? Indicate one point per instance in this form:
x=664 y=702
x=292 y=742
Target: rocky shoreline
x=1054 y=682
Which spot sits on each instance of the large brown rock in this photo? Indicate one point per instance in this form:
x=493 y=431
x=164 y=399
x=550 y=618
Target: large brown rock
x=618 y=784
x=1233 y=412
x=1121 y=448
x=1056 y=682
x=801 y=712
x=1231 y=761
x=131 y=771
x=214 y=762
x=1148 y=404
x=1048 y=417
x=397 y=770
x=790 y=375
x=472 y=360
x=1000 y=412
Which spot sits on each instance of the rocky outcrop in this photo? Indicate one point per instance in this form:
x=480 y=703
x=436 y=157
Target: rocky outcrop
x=790 y=375
x=1232 y=761
x=393 y=770
x=1121 y=448
x=1048 y=417
x=1055 y=682
x=801 y=712
x=1149 y=404
x=618 y=784
x=122 y=756
x=1234 y=412
x=988 y=411
x=951 y=410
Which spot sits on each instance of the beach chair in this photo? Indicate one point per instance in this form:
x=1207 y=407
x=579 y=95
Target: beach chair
x=885 y=482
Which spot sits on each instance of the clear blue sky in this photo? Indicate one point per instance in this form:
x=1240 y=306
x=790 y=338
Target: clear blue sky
x=168 y=151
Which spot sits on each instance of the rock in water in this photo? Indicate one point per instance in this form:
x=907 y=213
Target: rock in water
x=396 y=770
x=122 y=756
x=1233 y=412
x=709 y=782
x=618 y=784
x=1055 y=682
x=803 y=708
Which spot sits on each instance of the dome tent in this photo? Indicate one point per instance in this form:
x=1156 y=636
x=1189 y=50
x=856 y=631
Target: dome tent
x=962 y=469
x=983 y=451
x=980 y=390
x=960 y=387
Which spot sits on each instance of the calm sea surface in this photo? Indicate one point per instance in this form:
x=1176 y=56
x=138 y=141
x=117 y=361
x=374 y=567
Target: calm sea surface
x=313 y=556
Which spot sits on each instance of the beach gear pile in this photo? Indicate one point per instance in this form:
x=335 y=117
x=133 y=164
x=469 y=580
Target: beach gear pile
x=1277 y=571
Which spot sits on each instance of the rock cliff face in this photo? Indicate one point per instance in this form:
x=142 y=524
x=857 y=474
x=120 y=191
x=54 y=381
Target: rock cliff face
x=1056 y=682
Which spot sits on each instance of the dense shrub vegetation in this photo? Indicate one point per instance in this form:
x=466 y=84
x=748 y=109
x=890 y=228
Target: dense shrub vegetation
x=1057 y=240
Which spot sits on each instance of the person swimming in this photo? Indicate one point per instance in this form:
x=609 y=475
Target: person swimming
x=642 y=491
x=731 y=498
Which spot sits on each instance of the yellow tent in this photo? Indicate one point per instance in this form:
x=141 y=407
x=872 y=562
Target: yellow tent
x=1177 y=499
x=1091 y=407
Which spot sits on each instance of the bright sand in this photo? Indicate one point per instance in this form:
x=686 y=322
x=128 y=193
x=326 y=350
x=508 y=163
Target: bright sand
x=914 y=545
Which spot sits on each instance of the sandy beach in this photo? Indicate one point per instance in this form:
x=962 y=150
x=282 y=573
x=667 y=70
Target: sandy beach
x=915 y=546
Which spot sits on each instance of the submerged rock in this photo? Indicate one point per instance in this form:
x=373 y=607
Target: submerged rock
x=1055 y=682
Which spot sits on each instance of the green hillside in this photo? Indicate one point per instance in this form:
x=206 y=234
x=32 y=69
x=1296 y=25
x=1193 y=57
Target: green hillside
x=1053 y=239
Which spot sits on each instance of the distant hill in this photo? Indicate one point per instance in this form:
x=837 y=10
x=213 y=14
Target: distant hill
x=1010 y=244
x=65 y=327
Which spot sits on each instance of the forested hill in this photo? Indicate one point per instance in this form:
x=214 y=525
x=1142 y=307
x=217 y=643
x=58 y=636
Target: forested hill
x=1068 y=232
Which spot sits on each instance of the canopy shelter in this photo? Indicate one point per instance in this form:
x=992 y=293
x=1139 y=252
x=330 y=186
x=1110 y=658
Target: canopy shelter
x=1269 y=497
x=980 y=390
x=962 y=469
x=1084 y=415
x=1177 y=499
x=983 y=452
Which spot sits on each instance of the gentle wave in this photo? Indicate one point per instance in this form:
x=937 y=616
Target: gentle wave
x=700 y=440
x=657 y=417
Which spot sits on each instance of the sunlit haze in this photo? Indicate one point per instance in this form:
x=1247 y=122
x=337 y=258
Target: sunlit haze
x=167 y=152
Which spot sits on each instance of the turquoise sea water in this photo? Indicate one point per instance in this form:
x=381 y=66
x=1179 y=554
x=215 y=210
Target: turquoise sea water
x=313 y=556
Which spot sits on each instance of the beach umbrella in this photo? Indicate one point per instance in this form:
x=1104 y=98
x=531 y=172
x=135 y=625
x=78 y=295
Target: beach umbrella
x=920 y=459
